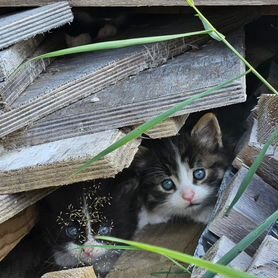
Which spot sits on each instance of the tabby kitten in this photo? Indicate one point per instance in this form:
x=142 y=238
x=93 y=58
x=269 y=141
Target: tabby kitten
x=180 y=176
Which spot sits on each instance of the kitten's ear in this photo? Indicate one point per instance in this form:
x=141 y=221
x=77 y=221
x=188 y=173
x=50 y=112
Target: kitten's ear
x=141 y=159
x=207 y=132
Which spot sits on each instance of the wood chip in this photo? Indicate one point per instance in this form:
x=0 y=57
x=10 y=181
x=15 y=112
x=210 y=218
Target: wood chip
x=82 y=272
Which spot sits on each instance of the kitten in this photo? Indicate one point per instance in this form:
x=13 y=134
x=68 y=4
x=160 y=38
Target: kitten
x=180 y=176
x=73 y=215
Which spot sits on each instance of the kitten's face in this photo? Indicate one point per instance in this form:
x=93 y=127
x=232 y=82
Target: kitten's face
x=180 y=176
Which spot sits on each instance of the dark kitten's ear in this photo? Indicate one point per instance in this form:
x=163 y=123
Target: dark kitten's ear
x=141 y=159
x=207 y=132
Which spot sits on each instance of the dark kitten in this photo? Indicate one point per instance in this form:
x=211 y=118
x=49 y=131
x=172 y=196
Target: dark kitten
x=180 y=176
x=72 y=216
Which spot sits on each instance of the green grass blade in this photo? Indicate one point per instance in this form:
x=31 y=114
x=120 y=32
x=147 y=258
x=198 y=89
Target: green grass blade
x=117 y=44
x=245 y=242
x=256 y=164
x=216 y=268
x=153 y=122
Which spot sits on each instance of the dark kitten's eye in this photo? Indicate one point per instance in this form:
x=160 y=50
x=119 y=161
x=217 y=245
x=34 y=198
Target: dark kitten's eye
x=168 y=185
x=199 y=174
x=72 y=232
x=104 y=230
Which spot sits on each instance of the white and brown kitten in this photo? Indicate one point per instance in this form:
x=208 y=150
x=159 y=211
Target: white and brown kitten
x=180 y=176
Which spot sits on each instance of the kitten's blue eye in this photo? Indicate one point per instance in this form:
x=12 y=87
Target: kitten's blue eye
x=104 y=230
x=199 y=174
x=72 y=232
x=168 y=185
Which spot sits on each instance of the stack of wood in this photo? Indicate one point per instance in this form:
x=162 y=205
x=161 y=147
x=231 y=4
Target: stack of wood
x=258 y=202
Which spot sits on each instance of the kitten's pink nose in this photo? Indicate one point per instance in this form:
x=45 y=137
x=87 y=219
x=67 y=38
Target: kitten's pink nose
x=188 y=195
x=88 y=252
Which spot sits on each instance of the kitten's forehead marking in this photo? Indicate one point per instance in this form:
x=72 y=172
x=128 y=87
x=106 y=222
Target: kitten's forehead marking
x=183 y=170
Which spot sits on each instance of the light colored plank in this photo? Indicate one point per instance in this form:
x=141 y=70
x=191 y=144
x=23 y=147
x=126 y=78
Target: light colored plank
x=268 y=170
x=12 y=204
x=11 y=89
x=138 y=3
x=256 y=204
x=13 y=230
x=217 y=251
x=82 y=272
x=146 y=95
x=265 y=263
x=179 y=237
x=24 y=25
x=56 y=163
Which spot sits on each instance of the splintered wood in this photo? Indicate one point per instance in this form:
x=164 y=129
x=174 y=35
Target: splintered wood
x=56 y=163
x=24 y=25
x=13 y=230
x=257 y=203
x=83 y=272
x=179 y=237
x=136 y=99
x=217 y=251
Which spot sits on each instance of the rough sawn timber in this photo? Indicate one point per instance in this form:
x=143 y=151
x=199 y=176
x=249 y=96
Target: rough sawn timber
x=56 y=163
x=146 y=95
x=24 y=25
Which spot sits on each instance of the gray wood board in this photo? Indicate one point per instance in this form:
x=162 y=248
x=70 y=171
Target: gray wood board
x=24 y=25
x=258 y=202
x=11 y=89
x=138 y=3
x=13 y=56
x=146 y=95
x=71 y=79
x=56 y=163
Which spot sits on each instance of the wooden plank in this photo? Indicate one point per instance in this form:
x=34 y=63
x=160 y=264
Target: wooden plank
x=11 y=89
x=13 y=230
x=256 y=204
x=54 y=164
x=24 y=25
x=12 y=204
x=265 y=262
x=69 y=84
x=267 y=111
x=181 y=237
x=82 y=272
x=13 y=56
x=217 y=251
x=269 y=167
x=138 y=3
x=145 y=95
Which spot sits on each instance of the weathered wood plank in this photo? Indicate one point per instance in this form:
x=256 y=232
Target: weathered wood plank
x=268 y=170
x=71 y=82
x=138 y=3
x=217 y=251
x=82 y=272
x=146 y=95
x=256 y=204
x=12 y=204
x=24 y=25
x=18 y=82
x=179 y=237
x=13 y=230
x=265 y=262
x=54 y=164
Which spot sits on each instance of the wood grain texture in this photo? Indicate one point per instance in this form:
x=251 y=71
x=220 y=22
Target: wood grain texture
x=138 y=3
x=13 y=230
x=257 y=203
x=73 y=78
x=82 y=272
x=146 y=95
x=11 y=89
x=56 y=163
x=265 y=259
x=268 y=170
x=24 y=25
x=179 y=237
x=217 y=251
x=12 y=204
